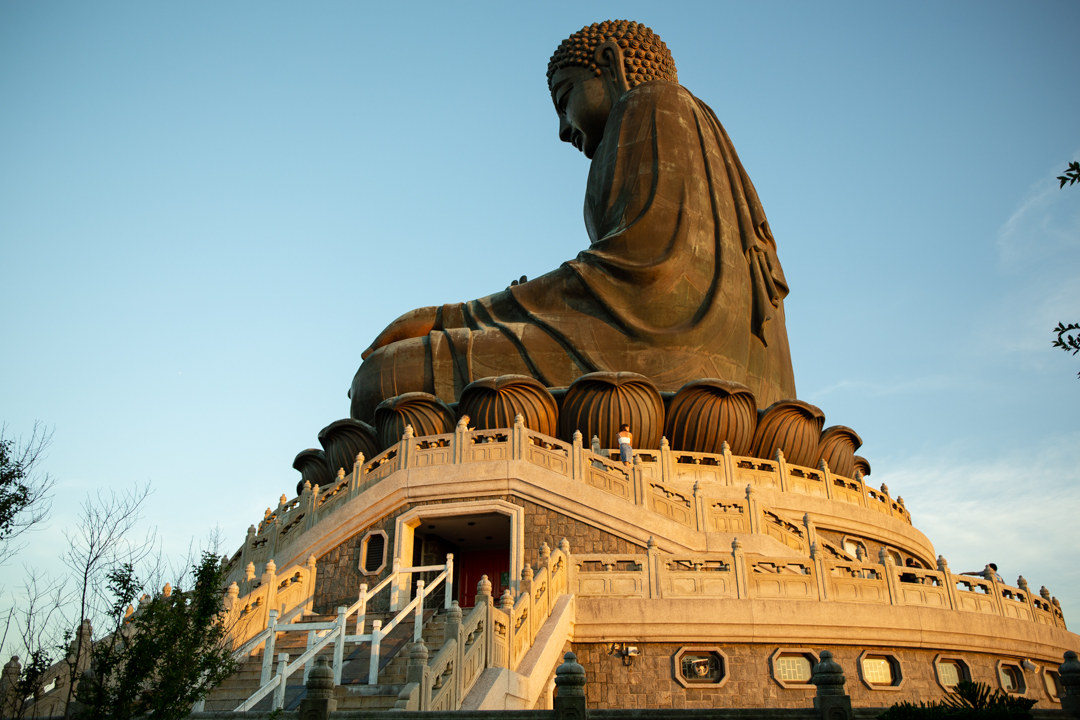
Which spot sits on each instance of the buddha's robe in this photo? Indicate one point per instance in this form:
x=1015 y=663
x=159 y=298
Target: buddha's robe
x=681 y=280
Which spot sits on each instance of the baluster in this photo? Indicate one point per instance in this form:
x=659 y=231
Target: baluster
x=448 y=584
x=268 y=649
x=376 y=641
x=279 y=691
x=362 y=610
x=418 y=615
x=339 y=644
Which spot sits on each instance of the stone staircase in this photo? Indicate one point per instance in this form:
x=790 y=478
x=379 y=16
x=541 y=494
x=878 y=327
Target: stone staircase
x=354 y=692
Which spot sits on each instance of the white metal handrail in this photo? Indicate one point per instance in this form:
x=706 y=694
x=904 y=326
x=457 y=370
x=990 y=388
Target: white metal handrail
x=336 y=633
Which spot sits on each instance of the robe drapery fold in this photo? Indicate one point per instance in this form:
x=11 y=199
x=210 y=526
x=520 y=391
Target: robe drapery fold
x=681 y=280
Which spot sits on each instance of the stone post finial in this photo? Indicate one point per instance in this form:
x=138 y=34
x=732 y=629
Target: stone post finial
x=453 y=615
x=418 y=654
x=570 y=683
x=251 y=531
x=249 y=571
x=408 y=434
x=320 y=683
x=860 y=553
x=268 y=512
x=651 y=544
x=1069 y=675
x=320 y=700
x=596 y=445
x=233 y=591
x=271 y=566
x=570 y=677
x=828 y=676
x=519 y=421
x=736 y=546
x=779 y=455
x=359 y=460
x=831 y=700
x=884 y=489
x=823 y=466
x=577 y=437
x=665 y=445
x=506 y=602
x=340 y=474
x=1044 y=593
x=564 y=545
x=749 y=491
x=483 y=588
x=1021 y=583
x=942 y=564
x=307 y=487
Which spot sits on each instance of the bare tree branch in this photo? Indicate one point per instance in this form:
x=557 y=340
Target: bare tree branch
x=25 y=491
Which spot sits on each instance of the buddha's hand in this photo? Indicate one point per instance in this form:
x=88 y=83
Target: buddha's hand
x=415 y=323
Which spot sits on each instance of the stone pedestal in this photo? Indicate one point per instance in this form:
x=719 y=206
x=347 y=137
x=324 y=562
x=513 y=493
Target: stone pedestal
x=570 y=681
x=831 y=700
x=320 y=701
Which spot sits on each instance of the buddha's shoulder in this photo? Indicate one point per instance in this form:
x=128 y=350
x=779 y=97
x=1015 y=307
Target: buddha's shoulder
x=658 y=92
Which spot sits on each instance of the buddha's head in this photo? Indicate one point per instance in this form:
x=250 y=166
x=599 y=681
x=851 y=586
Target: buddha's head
x=592 y=69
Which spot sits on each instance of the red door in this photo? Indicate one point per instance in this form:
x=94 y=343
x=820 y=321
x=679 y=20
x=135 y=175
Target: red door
x=474 y=564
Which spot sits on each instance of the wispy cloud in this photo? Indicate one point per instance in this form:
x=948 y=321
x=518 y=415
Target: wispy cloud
x=867 y=388
x=1046 y=223
x=1018 y=511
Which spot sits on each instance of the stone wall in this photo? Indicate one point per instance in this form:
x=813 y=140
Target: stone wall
x=543 y=525
x=338 y=575
x=650 y=683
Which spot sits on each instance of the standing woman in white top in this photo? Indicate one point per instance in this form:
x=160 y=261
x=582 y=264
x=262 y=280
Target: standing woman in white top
x=626 y=451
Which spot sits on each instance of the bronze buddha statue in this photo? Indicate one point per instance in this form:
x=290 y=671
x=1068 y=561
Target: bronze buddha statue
x=680 y=281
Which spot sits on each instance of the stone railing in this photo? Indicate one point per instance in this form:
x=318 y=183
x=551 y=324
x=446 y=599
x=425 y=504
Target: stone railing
x=647 y=483
x=738 y=575
x=490 y=636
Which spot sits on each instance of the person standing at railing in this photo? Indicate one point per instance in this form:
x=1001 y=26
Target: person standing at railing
x=626 y=439
x=988 y=573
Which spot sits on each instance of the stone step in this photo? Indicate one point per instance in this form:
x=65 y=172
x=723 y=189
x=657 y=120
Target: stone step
x=354 y=693
x=364 y=697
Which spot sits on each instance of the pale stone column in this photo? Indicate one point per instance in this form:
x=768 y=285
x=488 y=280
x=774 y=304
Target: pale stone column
x=728 y=464
x=577 y=457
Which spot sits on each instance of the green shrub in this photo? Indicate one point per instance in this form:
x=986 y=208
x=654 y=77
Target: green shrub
x=969 y=701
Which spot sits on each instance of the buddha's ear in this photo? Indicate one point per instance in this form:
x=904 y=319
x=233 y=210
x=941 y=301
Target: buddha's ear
x=609 y=58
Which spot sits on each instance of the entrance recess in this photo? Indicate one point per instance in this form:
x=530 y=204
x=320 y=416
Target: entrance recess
x=485 y=537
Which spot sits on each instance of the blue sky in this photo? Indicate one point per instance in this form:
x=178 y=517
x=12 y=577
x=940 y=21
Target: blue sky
x=208 y=210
